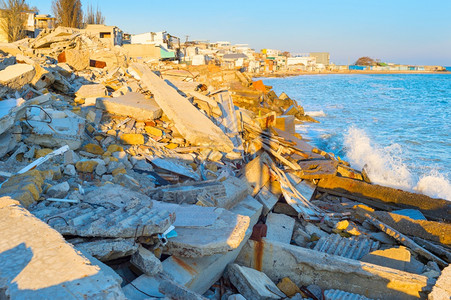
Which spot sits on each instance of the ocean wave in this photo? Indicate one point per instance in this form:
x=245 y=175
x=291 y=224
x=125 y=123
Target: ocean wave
x=385 y=166
x=318 y=113
x=435 y=185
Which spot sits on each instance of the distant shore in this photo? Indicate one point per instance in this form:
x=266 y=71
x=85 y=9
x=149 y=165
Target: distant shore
x=347 y=72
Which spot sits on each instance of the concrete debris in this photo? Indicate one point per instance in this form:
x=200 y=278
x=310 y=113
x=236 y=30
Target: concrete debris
x=133 y=105
x=86 y=220
x=146 y=261
x=354 y=247
x=253 y=284
x=16 y=76
x=204 y=231
x=36 y=259
x=107 y=249
x=193 y=125
x=280 y=228
x=278 y=260
x=53 y=128
x=170 y=171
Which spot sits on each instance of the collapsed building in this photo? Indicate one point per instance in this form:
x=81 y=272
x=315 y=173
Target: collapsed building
x=124 y=178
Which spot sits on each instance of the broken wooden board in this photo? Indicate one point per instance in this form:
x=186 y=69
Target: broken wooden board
x=432 y=208
x=300 y=145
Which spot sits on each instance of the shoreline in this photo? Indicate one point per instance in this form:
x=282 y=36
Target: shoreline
x=349 y=72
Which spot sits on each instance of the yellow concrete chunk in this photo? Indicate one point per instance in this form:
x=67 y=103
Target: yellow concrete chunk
x=132 y=139
x=171 y=146
x=288 y=287
x=115 y=148
x=119 y=171
x=87 y=166
x=153 y=131
x=94 y=149
x=42 y=152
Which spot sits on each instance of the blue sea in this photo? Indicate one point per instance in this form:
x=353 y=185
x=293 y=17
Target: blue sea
x=397 y=126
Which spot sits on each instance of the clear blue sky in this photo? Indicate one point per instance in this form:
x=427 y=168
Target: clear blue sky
x=400 y=31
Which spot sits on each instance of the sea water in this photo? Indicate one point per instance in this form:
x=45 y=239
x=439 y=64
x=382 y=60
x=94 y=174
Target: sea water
x=397 y=126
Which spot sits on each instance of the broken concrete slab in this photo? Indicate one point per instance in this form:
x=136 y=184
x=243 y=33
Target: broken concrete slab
x=280 y=228
x=305 y=267
x=442 y=288
x=256 y=172
x=267 y=199
x=198 y=274
x=354 y=247
x=107 y=249
x=134 y=219
x=36 y=260
x=225 y=194
x=10 y=111
x=91 y=91
x=62 y=128
x=430 y=230
x=134 y=105
x=78 y=59
x=203 y=231
x=174 y=166
x=436 y=209
x=16 y=76
x=194 y=126
x=59 y=190
x=146 y=261
x=253 y=284
x=398 y=258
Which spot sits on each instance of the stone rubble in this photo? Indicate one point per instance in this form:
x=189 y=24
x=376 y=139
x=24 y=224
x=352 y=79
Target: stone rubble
x=118 y=180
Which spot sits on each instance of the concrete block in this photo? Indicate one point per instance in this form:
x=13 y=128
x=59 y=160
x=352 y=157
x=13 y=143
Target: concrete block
x=37 y=263
x=267 y=198
x=134 y=105
x=16 y=76
x=146 y=261
x=174 y=166
x=65 y=128
x=59 y=190
x=442 y=288
x=203 y=231
x=253 y=284
x=76 y=58
x=194 y=126
x=286 y=123
x=131 y=139
x=304 y=267
x=398 y=258
x=288 y=287
x=91 y=91
x=107 y=249
x=280 y=228
x=10 y=110
x=198 y=274
x=256 y=173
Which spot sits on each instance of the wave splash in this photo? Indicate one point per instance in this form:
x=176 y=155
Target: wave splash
x=318 y=113
x=384 y=165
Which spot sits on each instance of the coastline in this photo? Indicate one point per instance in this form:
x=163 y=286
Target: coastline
x=283 y=74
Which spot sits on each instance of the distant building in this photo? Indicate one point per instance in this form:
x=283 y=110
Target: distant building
x=169 y=45
x=321 y=57
x=109 y=34
x=33 y=25
x=271 y=52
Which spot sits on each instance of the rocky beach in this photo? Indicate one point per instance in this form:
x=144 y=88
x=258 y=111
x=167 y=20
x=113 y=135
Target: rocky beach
x=124 y=177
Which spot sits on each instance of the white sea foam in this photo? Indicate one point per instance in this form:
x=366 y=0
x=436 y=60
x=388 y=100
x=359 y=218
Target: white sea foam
x=435 y=185
x=317 y=113
x=384 y=165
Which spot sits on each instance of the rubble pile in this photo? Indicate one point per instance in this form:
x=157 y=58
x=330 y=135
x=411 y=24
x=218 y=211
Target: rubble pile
x=189 y=187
